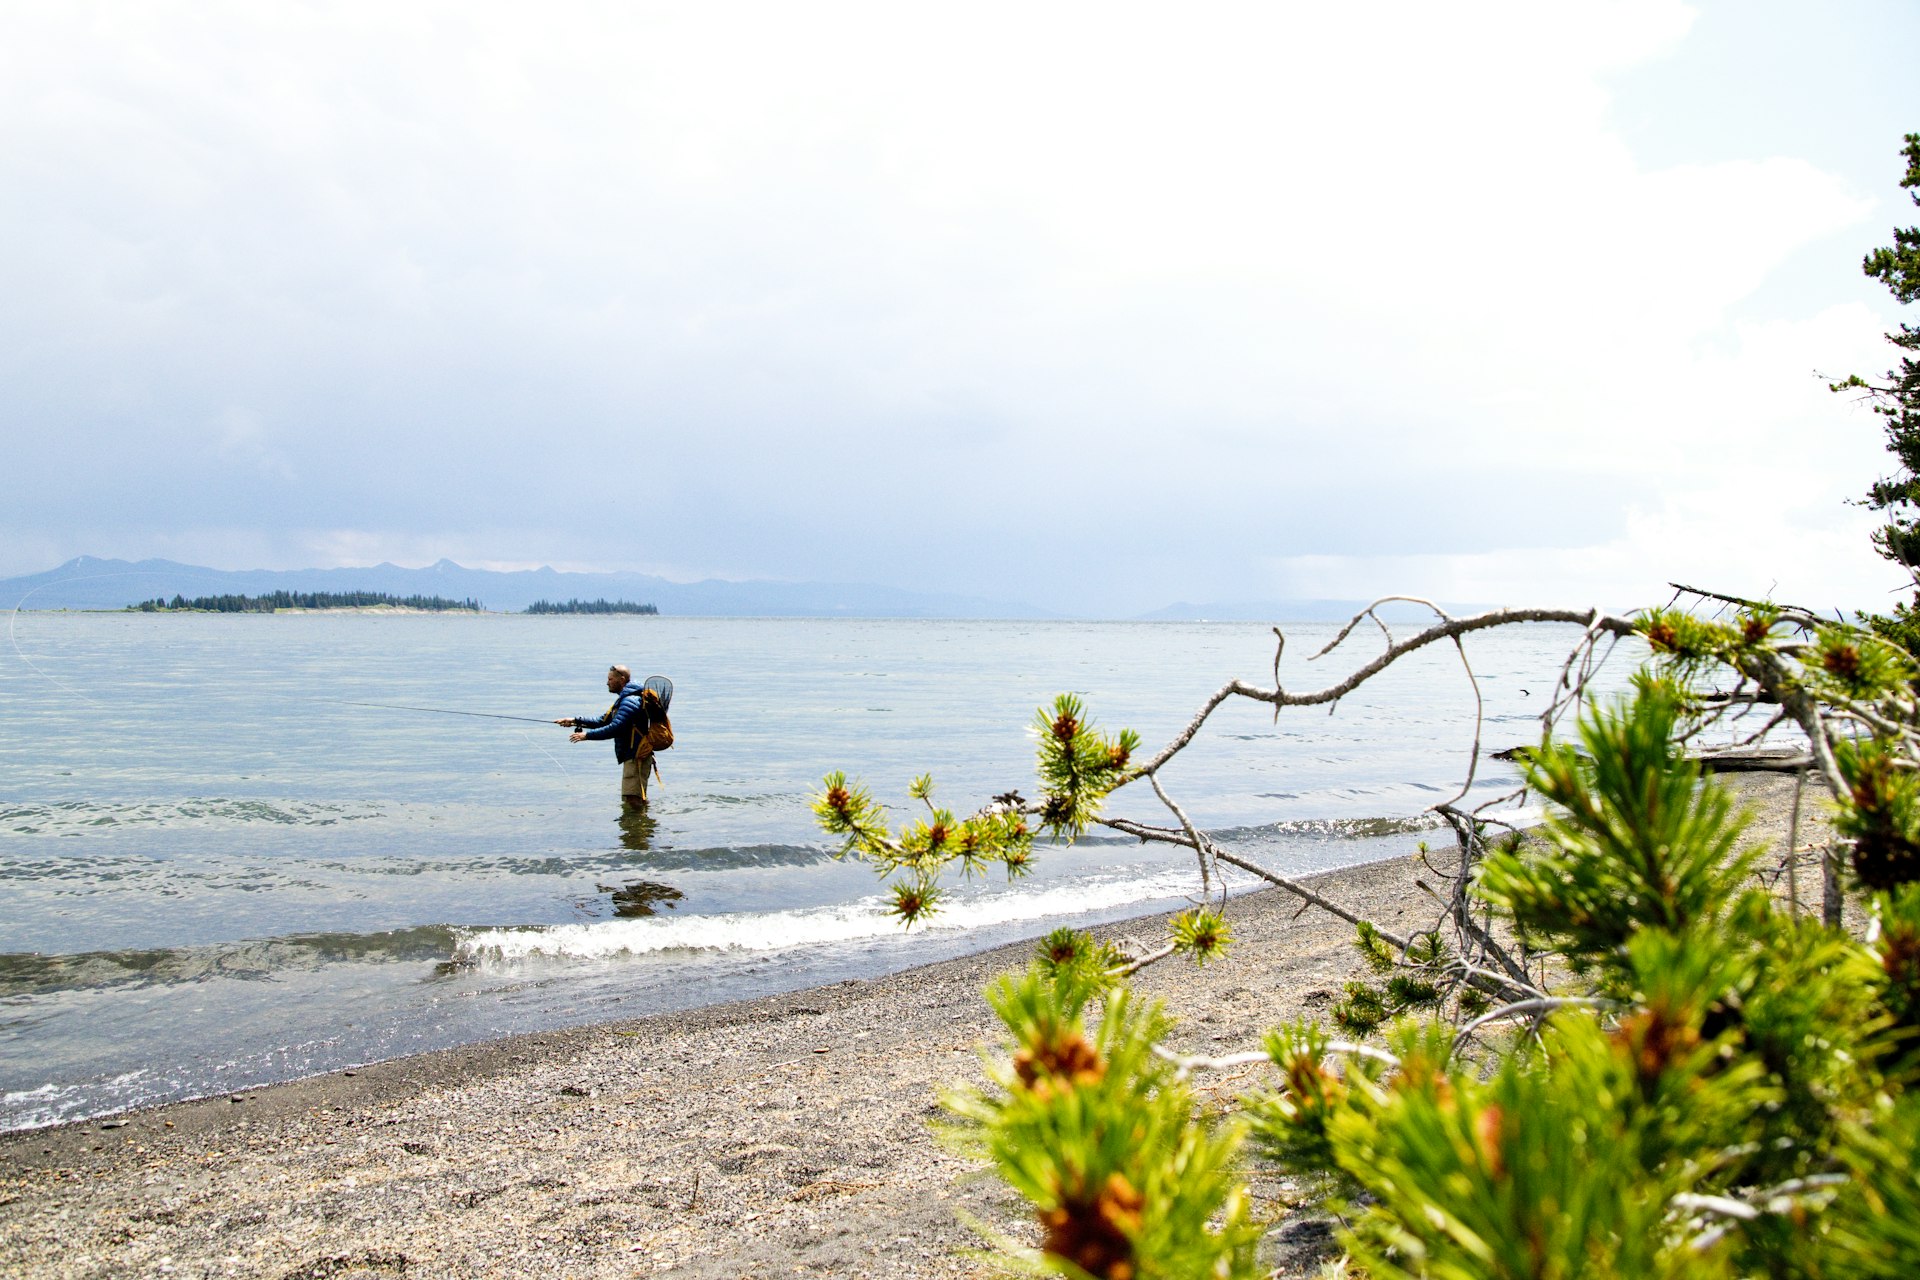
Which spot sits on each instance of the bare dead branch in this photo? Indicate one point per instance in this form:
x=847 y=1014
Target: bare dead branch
x=1742 y=601
x=1479 y=723
x=1593 y=619
x=1368 y=612
x=1135 y=965
x=1519 y=1008
x=1279 y=647
x=1200 y=846
x=1524 y=989
x=1299 y=890
x=1793 y=844
x=1188 y=1064
x=1474 y=935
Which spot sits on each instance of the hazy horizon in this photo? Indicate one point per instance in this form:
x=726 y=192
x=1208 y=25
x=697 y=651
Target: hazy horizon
x=110 y=583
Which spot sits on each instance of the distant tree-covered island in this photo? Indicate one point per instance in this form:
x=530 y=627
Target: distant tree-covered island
x=303 y=600
x=591 y=606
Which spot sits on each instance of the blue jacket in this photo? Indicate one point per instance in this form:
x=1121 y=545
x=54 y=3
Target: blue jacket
x=625 y=721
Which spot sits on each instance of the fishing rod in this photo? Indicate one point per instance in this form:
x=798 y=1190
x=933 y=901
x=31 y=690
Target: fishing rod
x=441 y=711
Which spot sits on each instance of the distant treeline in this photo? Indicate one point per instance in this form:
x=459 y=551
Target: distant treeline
x=591 y=606
x=301 y=600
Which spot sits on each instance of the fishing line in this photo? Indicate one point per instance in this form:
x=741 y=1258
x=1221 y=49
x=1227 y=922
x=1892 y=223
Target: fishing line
x=14 y=617
x=437 y=711
x=484 y=715
x=561 y=764
x=21 y=654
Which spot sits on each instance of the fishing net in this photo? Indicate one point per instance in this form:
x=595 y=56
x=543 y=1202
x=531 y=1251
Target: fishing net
x=662 y=689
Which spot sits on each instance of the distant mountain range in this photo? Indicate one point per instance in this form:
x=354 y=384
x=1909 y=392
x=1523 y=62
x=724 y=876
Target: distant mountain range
x=87 y=582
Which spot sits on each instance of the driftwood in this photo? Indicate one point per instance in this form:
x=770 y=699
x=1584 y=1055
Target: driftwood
x=1734 y=760
x=1785 y=760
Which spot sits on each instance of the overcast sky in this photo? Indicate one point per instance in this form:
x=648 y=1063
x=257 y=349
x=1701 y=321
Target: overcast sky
x=1093 y=306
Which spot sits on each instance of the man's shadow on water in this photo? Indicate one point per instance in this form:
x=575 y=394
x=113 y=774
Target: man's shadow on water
x=639 y=897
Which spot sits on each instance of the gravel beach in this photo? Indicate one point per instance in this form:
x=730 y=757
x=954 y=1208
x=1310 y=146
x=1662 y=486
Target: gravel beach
x=777 y=1137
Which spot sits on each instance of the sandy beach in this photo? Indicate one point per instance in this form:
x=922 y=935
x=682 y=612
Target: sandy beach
x=777 y=1137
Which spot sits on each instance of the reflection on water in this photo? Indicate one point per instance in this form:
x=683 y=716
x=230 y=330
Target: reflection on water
x=637 y=897
x=636 y=829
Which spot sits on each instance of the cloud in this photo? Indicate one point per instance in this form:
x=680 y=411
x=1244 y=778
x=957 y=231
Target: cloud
x=243 y=440
x=900 y=293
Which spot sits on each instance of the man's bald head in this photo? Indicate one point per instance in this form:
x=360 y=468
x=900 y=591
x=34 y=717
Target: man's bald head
x=618 y=678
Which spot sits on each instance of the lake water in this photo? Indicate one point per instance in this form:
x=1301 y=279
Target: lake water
x=218 y=873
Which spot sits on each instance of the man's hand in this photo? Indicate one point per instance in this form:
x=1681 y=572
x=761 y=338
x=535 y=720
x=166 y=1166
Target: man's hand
x=576 y=737
x=568 y=723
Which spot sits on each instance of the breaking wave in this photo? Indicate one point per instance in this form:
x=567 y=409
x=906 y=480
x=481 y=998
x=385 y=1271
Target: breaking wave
x=852 y=922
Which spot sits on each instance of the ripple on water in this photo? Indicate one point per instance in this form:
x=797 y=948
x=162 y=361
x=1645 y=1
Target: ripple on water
x=32 y=974
x=69 y=817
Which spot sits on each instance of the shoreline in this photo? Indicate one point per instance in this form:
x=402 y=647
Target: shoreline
x=393 y=610
x=779 y=1135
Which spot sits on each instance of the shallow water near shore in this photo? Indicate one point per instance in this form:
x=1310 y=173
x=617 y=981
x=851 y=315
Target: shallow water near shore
x=219 y=873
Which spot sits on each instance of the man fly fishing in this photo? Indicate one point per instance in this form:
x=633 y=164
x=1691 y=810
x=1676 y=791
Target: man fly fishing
x=627 y=722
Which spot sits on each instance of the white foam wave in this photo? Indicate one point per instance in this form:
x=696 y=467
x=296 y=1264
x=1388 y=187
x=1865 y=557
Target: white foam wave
x=759 y=931
x=52 y=1103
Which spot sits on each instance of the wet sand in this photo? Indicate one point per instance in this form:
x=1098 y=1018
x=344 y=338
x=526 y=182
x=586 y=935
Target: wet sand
x=775 y=1137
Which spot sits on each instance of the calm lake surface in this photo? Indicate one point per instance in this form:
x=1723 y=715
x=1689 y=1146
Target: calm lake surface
x=218 y=873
